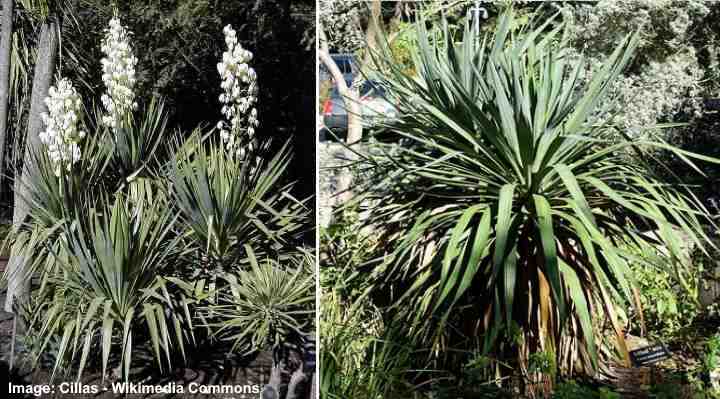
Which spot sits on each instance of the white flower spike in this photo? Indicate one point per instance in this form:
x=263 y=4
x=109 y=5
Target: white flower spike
x=62 y=136
x=239 y=97
x=118 y=67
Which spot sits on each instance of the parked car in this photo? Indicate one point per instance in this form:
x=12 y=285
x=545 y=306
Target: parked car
x=374 y=106
x=347 y=65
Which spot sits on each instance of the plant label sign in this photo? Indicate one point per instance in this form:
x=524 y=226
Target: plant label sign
x=649 y=355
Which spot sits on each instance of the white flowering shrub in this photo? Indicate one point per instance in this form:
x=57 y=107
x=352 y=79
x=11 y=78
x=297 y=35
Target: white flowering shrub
x=340 y=21
x=665 y=78
x=658 y=91
x=239 y=97
x=62 y=135
x=663 y=25
x=118 y=74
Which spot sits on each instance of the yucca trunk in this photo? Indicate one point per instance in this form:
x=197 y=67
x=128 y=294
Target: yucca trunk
x=532 y=313
x=6 y=24
x=18 y=284
x=296 y=378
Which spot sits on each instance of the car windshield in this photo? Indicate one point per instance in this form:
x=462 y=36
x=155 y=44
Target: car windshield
x=344 y=63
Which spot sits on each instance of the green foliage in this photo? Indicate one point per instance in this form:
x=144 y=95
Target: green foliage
x=543 y=363
x=507 y=199
x=120 y=265
x=52 y=201
x=572 y=390
x=178 y=44
x=135 y=143
x=118 y=259
x=667 y=305
x=415 y=196
x=669 y=72
x=401 y=47
x=359 y=357
x=227 y=202
x=705 y=37
x=117 y=242
x=711 y=357
x=267 y=305
x=478 y=369
x=662 y=25
x=686 y=385
x=106 y=286
x=668 y=390
x=345 y=248
x=342 y=347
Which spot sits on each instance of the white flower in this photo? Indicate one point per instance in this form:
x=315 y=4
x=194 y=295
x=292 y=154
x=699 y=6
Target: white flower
x=118 y=74
x=62 y=136
x=239 y=97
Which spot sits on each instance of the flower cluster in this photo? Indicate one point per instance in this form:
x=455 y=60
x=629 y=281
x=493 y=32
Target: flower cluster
x=239 y=97
x=340 y=21
x=118 y=68
x=663 y=25
x=62 y=135
x=665 y=77
x=661 y=89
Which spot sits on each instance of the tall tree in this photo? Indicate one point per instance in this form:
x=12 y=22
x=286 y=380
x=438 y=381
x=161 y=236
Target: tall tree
x=6 y=24
x=18 y=283
x=361 y=27
x=339 y=28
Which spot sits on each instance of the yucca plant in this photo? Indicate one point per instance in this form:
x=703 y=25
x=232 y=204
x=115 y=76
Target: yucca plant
x=226 y=202
x=135 y=142
x=507 y=200
x=108 y=288
x=266 y=305
x=51 y=202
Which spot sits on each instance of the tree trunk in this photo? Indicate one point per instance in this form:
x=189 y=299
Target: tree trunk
x=6 y=23
x=18 y=282
x=272 y=389
x=313 y=386
x=350 y=95
x=351 y=100
x=372 y=36
x=355 y=127
x=296 y=378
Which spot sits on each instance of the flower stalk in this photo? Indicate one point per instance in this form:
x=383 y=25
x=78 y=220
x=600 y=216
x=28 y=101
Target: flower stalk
x=118 y=67
x=239 y=97
x=62 y=135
